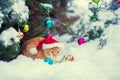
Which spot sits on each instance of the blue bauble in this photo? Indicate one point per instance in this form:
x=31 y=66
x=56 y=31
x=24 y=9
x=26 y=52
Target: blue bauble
x=48 y=23
x=13 y=15
x=48 y=60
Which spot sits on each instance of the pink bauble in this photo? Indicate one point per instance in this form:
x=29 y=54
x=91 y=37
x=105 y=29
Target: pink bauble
x=21 y=35
x=117 y=1
x=49 y=36
x=81 y=41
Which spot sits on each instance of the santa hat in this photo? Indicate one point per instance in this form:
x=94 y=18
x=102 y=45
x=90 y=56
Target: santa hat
x=46 y=44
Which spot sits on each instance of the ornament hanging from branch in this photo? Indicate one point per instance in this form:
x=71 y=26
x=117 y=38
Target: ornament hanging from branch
x=117 y=1
x=47 y=8
x=48 y=23
x=13 y=15
x=26 y=28
x=96 y=1
x=21 y=35
x=49 y=36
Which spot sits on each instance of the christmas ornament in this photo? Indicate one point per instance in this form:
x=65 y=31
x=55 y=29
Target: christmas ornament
x=96 y=1
x=49 y=36
x=25 y=28
x=48 y=60
x=81 y=41
x=21 y=35
x=48 y=23
x=70 y=58
x=117 y=1
x=13 y=15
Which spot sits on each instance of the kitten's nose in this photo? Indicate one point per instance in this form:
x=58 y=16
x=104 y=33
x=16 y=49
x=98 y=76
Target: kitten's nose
x=54 y=54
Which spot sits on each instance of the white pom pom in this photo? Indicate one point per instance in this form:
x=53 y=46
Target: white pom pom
x=33 y=50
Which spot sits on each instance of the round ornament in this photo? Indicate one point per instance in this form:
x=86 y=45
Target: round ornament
x=49 y=36
x=25 y=28
x=70 y=58
x=117 y=1
x=81 y=41
x=48 y=60
x=21 y=35
x=48 y=23
x=96 y=1
x=13 y=15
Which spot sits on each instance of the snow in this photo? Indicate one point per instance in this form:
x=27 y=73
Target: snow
x=17 y=5
x=117 y=13
x=90 y=62
x=99 y=24
x=46 y=5
x=7 y=35
x=20 y=7
x=106 y=15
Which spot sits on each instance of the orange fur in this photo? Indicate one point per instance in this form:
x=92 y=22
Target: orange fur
x=52 y=52
x=30 y=44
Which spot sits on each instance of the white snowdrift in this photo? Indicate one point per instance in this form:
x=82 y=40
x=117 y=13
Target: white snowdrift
x=90 y=63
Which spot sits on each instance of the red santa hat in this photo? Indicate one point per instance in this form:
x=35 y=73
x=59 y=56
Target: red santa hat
x=46 y=44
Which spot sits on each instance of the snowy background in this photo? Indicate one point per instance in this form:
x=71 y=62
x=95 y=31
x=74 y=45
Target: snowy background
x=91 y=63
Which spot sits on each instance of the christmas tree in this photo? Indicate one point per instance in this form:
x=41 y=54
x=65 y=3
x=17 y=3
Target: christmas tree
x=12 y=17
x=35 y=18
x=97 y=21
x=38 y=16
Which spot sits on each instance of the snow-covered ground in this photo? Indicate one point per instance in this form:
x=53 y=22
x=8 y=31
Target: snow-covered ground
x=90 y=62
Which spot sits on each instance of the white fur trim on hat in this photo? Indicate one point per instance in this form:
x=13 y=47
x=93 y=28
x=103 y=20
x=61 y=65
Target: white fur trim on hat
x=33 y=51
x=47 y=46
